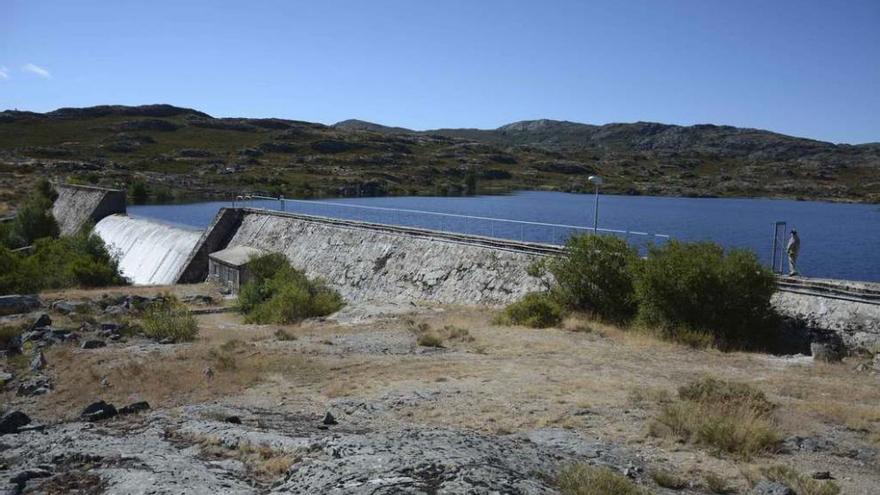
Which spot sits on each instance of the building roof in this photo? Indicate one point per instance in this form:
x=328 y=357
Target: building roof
x=236 y=256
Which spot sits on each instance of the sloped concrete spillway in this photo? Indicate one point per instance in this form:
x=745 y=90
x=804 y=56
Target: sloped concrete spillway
x=149 y=253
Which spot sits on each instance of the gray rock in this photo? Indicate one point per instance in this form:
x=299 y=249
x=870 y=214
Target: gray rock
x=876 y=362
x=765 y=487
x=23 y=477
x=5 y=377
x=12 y=421
x=98 y=411
x=822 y=475
x=67 y=307
x=16 y=304
x=38 y=361
x=33 y=387
x=92 y=344
x=827 y=352
x=135 y=407
x=42 y=321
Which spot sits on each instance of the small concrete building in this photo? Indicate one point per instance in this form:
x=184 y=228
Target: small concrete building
x=229 y=266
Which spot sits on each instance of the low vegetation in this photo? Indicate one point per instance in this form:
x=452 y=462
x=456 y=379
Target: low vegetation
x=799 y=483
x=596 y=276
x=727 y=417
x=536 y=310
x=668 y=479
x=430 y=337
x=279 y=293
x=33 y=257
x=687 y=289
x=696 y=294
x=583 y=479
x=169 y=319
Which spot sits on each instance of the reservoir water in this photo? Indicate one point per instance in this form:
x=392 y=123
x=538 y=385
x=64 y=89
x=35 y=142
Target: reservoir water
x=837 y=240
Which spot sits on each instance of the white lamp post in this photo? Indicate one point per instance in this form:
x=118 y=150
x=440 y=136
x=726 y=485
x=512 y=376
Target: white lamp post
x=597 y=181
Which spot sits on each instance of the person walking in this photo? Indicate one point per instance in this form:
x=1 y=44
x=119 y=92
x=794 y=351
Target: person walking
x=793 y=248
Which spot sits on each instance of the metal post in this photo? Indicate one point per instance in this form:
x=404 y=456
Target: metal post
x=596 y=216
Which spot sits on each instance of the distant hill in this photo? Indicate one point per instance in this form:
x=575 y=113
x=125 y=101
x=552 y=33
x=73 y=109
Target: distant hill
x=181 y=152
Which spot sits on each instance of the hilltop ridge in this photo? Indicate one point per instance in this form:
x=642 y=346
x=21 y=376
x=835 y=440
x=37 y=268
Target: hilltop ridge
x=186 y=153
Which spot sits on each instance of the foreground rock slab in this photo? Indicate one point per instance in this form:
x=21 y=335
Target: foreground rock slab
x=160 y=453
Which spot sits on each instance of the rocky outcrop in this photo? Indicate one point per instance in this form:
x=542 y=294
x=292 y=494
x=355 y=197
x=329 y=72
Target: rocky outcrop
x=159 y=453
x=17 y=304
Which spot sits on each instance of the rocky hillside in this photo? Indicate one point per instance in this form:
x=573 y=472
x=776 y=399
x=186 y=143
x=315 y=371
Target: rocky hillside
x=184 y=152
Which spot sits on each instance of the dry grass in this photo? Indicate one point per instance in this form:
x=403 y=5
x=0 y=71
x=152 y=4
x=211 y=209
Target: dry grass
x=799 y=483
x=262 y=461
x=582 y=479
x=728 y=417
x=168 y=376
x=668 y=479
x=623 y=378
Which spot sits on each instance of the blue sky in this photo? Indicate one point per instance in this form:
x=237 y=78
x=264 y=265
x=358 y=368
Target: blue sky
x=799 y=67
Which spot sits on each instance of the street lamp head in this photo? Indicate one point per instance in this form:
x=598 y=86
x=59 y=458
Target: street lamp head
x=595 y=179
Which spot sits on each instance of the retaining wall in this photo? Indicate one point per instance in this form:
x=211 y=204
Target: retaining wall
x=369 y=261
x=79 y=205
x=849 y=310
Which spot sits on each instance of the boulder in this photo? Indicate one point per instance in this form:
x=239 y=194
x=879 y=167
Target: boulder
x=34 y=387
x=827 y=352
x=98 y=411
x=5 y=377
x=765 y=487
x=329 y=419
x=38 y=361
x=12 y=421
x=42 y=321
x=135 y=407
x=67 y=307
x=92 y=344
x=16 y=304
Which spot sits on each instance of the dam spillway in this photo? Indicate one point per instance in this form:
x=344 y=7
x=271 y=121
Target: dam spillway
x=149 y=253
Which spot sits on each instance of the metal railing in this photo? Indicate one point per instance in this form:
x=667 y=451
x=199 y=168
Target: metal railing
x=501 y=228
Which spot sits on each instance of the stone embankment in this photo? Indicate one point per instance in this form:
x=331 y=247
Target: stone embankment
x=849 y=311
x=379 y=262
x=79 y=205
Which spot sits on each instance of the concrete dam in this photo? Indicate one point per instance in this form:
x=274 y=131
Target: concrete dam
x=368 y=261
x=149 y=253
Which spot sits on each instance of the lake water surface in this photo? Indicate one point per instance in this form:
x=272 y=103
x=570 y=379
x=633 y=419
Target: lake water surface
x=837 y=240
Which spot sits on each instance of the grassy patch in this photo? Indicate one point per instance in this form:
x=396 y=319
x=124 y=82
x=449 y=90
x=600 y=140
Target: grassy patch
x=799 y=483
x=728 y=417
x=168 y=318
x=430 y=339
x=717 y=484
x=535 y=310
x=668 y=479
x=582 y=479
x=283 y=335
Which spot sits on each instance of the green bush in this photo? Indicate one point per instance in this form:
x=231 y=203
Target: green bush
x=33 y=221
x=596 y=276
x=168 y=318
x=698 y=287
x=536 y=310
x=81 y=260
x=279 y=293
x=583 y=479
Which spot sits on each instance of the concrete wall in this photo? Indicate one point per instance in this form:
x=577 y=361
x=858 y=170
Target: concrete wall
x=78 y=205
x=215 y=238
x=369 y=262
x=856 y=323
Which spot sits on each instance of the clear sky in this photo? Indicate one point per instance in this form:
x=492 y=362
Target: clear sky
x=805 y=68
